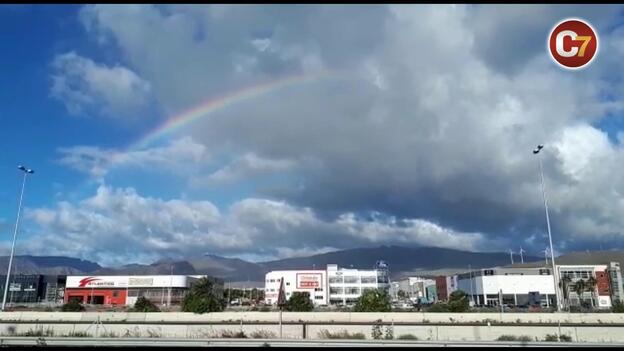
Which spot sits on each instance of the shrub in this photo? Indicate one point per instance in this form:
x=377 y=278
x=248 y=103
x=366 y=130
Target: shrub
x=407 y=337
x=618 y=307
x=326 y=334
x=565 y=338
x=507 y=338
x=525 y=338
x=299 y=302
x=389 y=333
x=551 y=337
x=203 y=298
x=439 y=307
x=73 y=306
x=376 y=331
x=78 y=334
x=263 y=334
x=233 y=334
x=373 y=301
x=142 y=304
x=458 y=302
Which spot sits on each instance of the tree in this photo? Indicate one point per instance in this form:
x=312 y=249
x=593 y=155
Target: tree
x=299 y=302
x=373 y=301
x=591 y=286
x=579 y=288
x=564 y=284
x=458 y=302
x=401 y=294
x=142 y=304
x=618 y=307
x=203 y=298
x=73 y=306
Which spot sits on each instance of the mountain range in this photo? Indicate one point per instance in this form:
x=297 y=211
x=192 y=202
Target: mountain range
x=402 y=261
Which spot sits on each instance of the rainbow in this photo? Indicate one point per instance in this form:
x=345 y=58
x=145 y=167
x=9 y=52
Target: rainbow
x=206 y=108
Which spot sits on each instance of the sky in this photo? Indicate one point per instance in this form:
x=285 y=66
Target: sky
x=270 y=131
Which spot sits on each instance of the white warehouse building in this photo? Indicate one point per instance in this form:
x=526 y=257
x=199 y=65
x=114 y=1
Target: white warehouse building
x=334 y=285
x=517 y=285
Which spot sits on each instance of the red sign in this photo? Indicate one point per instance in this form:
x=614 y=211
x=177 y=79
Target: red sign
x=573 y=43
x=309 y=280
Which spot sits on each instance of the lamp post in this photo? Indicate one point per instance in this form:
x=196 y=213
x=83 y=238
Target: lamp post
x=552 y=252
x=26 y=171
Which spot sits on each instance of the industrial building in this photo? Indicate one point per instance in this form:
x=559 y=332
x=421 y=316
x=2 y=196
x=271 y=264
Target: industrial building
x=514 y=286
x=602 y=284
x=125 y=290
x=445 y=285
x=416 y=289
x=331 y=286
x=33 y=288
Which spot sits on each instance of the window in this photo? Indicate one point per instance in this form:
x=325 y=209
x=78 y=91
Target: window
x=287 y=283
x=335 y=279
x=369 y=280
x=352 y=290
x=351 y=279
x=488 y=272
x=318 y=297
x=335 y=291
x=318 y=289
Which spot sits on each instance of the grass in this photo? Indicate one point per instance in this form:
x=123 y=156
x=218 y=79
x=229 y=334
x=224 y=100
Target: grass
x=262 y=334
x=522 y=338
x=326 y=334
x=233 y=334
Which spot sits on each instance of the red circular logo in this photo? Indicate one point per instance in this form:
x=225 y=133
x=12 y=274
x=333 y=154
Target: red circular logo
x=573 y=43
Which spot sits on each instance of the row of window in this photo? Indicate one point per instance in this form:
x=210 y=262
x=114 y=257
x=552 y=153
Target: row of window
x=355 y=280
x=350 y=290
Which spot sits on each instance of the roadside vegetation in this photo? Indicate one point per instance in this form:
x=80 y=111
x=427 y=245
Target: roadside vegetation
x=299 y=302
x=73 y=306
x=342 y=334
x=142 y=304
x=203 y=298
x=373 y=301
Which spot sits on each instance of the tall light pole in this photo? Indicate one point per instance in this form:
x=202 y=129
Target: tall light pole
x=26 y=171
x=552 y=252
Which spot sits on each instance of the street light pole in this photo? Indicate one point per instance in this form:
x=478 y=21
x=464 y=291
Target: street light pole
x=26 y=171
x=552 y=252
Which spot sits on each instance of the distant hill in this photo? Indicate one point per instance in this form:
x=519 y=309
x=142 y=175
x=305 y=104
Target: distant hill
x=47 y=265
x=403 y=261
x=400 y=259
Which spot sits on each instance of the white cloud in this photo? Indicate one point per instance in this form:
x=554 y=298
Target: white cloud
x=85 y=86
x=179 y=156
x=116 y=226
x=249 y=165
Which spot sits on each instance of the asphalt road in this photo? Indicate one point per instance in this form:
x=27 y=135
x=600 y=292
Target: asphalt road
x=166 y=342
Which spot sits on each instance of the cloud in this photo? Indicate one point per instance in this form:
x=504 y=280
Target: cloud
x=85 y=86
x=180 y=154
x=436 y=119
x=118 y=225
x=247 y=166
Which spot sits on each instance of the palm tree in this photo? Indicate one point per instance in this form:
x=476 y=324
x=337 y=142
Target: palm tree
x=591 y=285
x=563 y=284
x=579 y=288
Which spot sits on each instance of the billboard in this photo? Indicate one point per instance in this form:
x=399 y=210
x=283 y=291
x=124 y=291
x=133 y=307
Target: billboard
x=309 y=280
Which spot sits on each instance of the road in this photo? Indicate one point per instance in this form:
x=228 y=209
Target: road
x=166 y=342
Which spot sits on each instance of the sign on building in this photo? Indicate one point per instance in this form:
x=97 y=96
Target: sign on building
x=309 y=280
